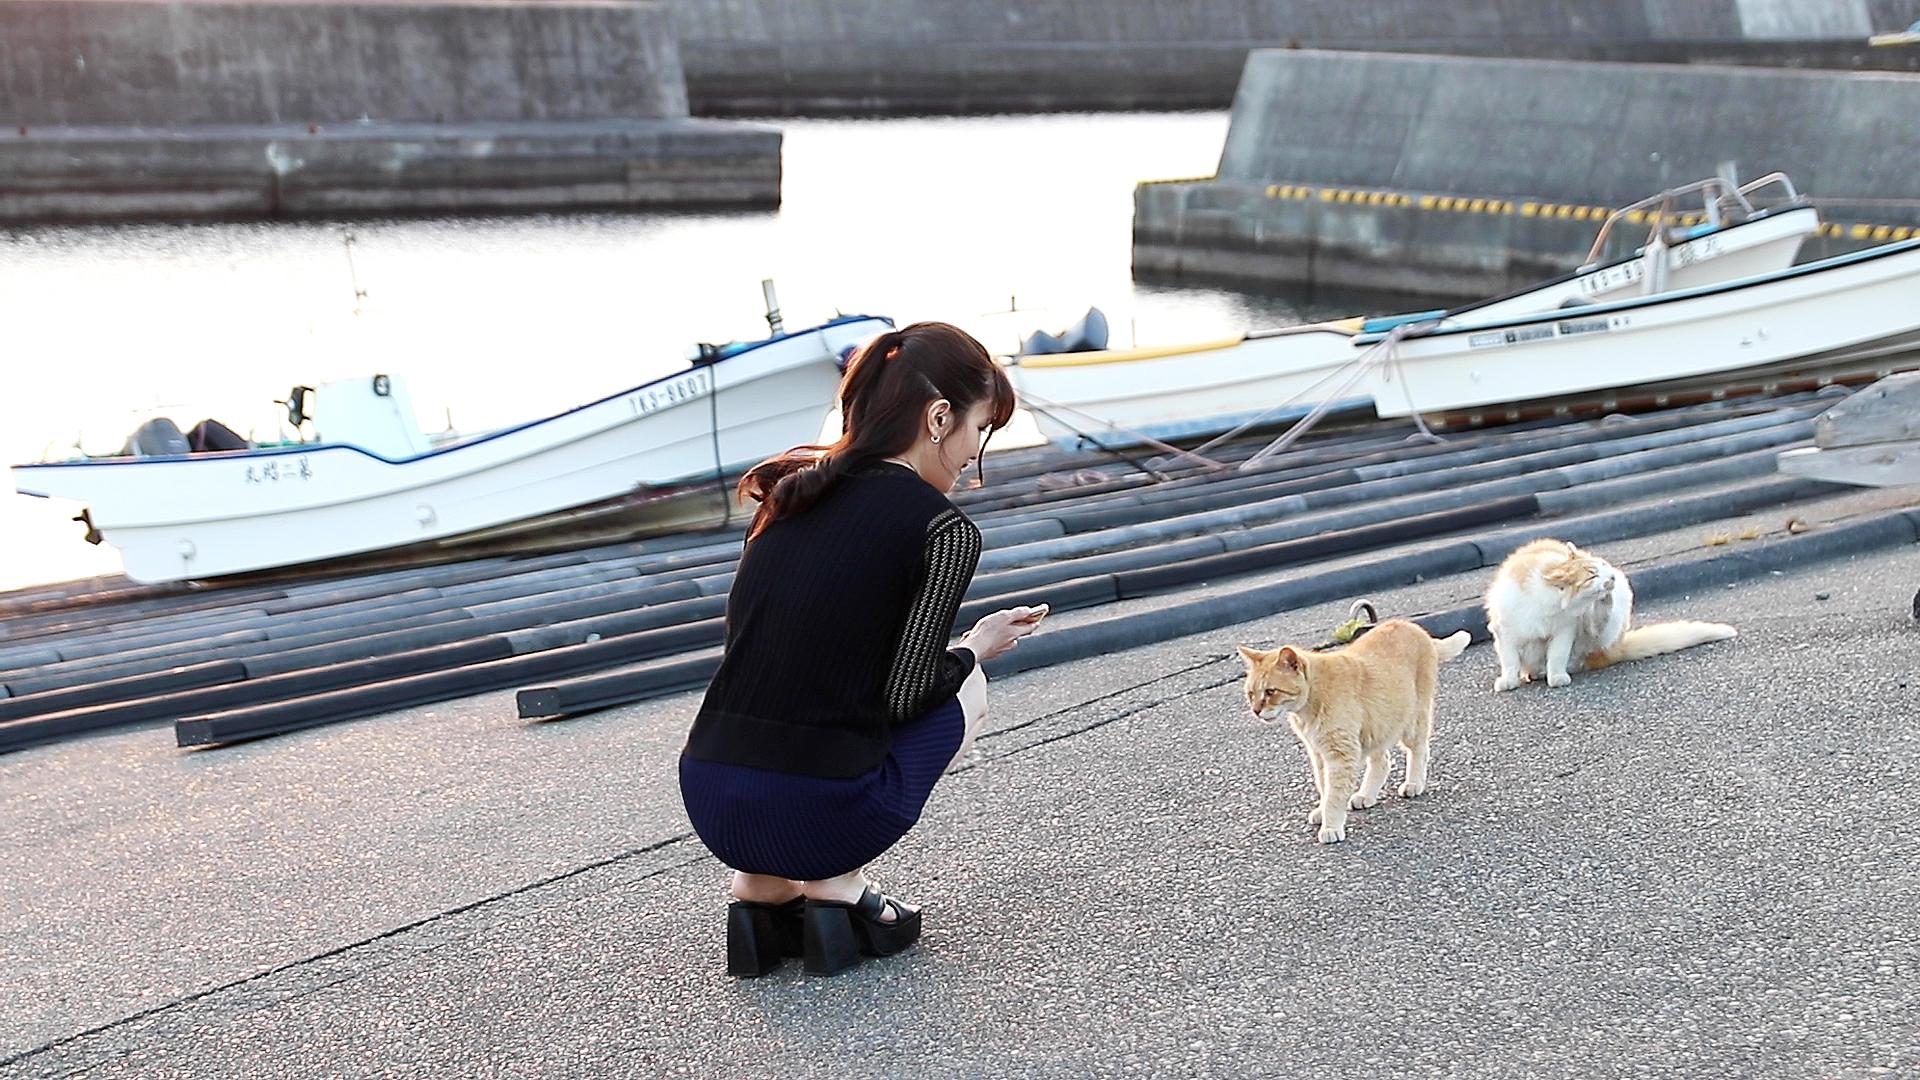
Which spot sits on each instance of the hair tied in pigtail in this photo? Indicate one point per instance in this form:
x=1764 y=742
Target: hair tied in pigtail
x=882 y=409
x=888 y=344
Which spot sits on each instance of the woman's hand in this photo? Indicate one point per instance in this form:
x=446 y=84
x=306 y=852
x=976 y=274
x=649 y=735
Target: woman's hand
x=995 y=634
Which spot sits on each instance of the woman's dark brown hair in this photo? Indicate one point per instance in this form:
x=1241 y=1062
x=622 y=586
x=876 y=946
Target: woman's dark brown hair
x=883 y=398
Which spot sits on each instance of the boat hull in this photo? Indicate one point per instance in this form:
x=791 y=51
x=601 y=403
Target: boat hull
x=1834 y=315
x=207 y=515
x=1187 y=392
x=1120 y=396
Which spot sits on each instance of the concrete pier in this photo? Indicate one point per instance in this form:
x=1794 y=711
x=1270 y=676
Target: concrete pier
x=759 y=57
x=189 y=108
x=1453 y=160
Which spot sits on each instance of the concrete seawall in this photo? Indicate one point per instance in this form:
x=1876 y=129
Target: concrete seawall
x=904 y=56
x=113 y=109
x=138 y=108
x=1510 y=133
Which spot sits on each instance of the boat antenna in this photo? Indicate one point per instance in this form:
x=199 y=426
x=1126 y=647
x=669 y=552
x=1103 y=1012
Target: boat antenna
x=774 y=324
x=353 y=275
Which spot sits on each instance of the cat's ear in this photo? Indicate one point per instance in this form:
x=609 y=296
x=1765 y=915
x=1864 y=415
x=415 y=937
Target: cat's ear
x=1290 y=658
x=1251 y=656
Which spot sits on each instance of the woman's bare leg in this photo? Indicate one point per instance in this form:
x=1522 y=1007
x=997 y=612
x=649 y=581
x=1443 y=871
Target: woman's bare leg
x=761 y=889
x=844 y=889
x=973 y=706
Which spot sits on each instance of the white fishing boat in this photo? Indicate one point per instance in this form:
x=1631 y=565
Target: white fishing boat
x=1119 y=396
x=1735 y=239
x=370 y=481
x=1855 y=313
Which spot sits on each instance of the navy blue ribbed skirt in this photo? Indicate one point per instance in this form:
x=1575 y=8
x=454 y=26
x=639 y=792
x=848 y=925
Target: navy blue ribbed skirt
x=808 y=827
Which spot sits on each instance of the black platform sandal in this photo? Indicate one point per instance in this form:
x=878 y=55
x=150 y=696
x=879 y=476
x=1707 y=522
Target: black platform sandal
x=760 y=935
x=836 y=935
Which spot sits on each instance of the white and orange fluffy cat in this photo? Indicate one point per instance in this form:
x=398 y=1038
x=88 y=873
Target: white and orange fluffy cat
x=1555 y=609
x=1351 y=708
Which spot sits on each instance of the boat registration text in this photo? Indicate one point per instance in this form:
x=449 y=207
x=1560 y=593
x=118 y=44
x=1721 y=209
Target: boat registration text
x=670 y=392
x=1564 y=329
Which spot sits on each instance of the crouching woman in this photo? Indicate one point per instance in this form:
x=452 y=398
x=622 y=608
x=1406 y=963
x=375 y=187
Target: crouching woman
x=837 y=704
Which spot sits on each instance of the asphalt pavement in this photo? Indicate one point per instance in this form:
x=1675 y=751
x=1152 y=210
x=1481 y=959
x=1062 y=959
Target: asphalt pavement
x=1703 y=864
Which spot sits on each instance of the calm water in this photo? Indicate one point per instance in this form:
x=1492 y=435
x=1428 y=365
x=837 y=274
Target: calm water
x=498 y=320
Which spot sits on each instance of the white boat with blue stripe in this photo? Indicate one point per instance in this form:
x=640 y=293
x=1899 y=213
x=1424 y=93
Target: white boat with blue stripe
x=370 y=481
x=1855 y=315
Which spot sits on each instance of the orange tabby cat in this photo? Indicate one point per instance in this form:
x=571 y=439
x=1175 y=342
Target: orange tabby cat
x=1353 y=707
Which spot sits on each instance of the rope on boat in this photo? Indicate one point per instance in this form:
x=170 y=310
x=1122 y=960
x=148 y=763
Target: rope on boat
x=1384 y=352
x=1264 y=414
x=1044 y=407
x=1030 y=404
x=719 y=466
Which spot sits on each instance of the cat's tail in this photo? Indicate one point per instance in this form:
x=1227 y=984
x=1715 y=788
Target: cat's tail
x=1453 y=645
x=1658 y=639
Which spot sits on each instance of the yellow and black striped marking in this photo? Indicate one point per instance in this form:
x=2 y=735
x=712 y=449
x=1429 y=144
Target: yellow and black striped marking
x=1461 y=204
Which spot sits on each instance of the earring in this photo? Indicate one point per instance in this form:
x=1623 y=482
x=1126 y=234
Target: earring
x=936 y=438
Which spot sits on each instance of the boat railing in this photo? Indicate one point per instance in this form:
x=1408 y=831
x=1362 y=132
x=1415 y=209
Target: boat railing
x=1793 y=194
x=1722 y=202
